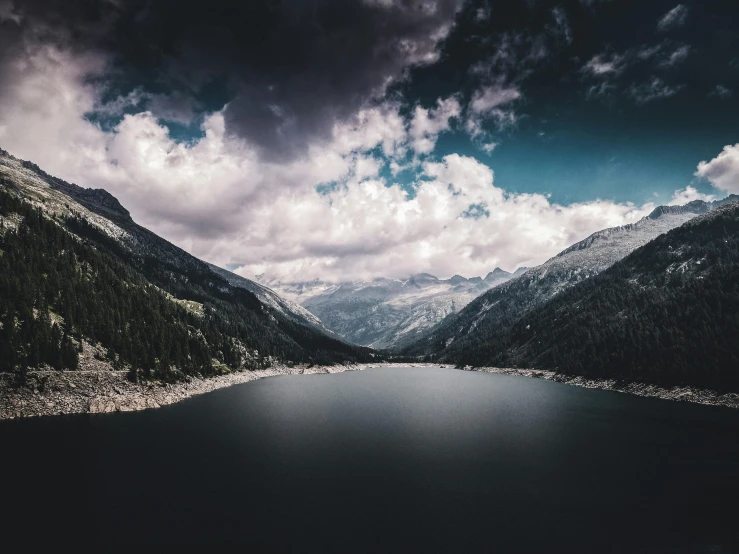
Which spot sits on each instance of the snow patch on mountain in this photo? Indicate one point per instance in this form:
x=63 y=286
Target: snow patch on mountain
x=384 y=312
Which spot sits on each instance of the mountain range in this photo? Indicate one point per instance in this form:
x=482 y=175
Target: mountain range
x=387 y=313
x=656 y=300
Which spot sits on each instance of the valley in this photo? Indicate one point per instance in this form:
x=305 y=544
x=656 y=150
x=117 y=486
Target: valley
x=387 y=313
x=193 y=327
x=369 y=276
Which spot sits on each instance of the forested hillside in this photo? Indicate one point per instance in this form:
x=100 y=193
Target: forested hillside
x=64 y=282
x=499 y=308
x=668 y=313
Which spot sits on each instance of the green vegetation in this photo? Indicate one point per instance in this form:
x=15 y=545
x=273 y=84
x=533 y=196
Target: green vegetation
x=668 y=313
x=162 y=319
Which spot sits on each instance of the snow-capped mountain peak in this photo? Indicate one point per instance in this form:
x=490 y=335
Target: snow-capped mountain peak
x=383 y=312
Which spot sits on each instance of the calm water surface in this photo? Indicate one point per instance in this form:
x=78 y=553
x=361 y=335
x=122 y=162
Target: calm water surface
x=384 y=460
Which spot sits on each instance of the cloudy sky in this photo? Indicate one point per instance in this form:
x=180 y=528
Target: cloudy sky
x=351 y=139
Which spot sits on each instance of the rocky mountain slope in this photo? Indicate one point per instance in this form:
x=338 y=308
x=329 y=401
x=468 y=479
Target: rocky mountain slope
x=270 y=298
x=103 y=211
x=384 y=313
x=77 y=272
x=502 y=306
x=667 y=313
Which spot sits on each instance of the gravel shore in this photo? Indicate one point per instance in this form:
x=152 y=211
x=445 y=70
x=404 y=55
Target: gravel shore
x=101 y=391
x=680 y=394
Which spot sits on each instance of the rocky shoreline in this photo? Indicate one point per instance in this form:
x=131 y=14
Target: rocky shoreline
x=103 y=391
x=678 y=394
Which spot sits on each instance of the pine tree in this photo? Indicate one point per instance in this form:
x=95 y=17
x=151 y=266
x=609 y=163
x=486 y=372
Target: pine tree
x=54 y=351
x=69 y=354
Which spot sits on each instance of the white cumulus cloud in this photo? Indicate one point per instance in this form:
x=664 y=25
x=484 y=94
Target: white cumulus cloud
x=688 y=194
x=426 y=125
x=331 y=214
x=723 y=170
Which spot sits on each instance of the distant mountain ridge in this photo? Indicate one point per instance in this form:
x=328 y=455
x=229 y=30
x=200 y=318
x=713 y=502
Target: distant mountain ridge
x=97 y=200
x=425 y=314
x=382 y=312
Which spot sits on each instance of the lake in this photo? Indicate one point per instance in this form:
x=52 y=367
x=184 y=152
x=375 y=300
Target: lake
x=384 y=460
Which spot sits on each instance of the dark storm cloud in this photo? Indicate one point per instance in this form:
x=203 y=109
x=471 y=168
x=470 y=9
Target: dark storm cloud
x=289 y=68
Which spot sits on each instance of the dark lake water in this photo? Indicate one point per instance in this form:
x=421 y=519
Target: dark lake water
x=384 y=460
